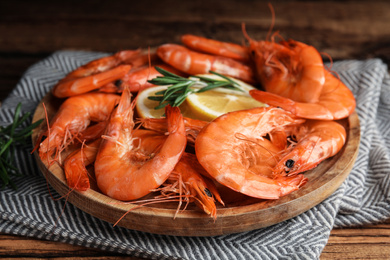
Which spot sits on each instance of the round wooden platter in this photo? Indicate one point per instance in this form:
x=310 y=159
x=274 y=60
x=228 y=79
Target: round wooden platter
x=241 y=213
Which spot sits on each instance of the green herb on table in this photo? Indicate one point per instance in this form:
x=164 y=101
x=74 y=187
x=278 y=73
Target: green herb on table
x=10 y=137
x=181 y=87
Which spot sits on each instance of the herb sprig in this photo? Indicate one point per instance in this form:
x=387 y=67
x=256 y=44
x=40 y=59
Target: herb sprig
x=181 y=87
x=10 y=136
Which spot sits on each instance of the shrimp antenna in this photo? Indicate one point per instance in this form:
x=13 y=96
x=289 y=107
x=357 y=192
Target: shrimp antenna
x=329 y=68
x=244 y=32
x=150 y=66
x=330 y=60
x=271 y=8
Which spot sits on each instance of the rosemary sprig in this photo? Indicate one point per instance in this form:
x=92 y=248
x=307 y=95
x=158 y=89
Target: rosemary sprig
x=181 y=87
x=10 y=137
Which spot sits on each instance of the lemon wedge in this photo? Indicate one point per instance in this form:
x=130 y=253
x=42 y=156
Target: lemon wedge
x=211 y=104
x=145 y=107
x=206 y=105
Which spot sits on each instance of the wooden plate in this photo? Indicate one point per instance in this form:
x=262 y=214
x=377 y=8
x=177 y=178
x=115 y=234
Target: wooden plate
x=240 y=214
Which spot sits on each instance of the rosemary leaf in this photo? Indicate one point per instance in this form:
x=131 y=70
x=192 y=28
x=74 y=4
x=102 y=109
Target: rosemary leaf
x=180 y=87
x=3 y=175
x=155 y=98
x=25 y=132
x=16 y=118
x=10 y=137
x=167 y=73
x=6 y=146
x=213 y=86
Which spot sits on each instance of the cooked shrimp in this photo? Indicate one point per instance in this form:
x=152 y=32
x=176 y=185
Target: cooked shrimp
x=197 y=186
x=191 y=160
x=102 y=64
x=104 y=74
x=290 y=69
x=75 y=165
x=124 y=170
x=193 y=63
x=225 y=49
x=97 y=73
x=74 y=116
x=316 y=141
x=76 y=86
x=185 y=184
x=335 y=102
x=231 y=149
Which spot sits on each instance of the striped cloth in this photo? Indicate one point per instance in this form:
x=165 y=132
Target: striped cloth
x=362 y=199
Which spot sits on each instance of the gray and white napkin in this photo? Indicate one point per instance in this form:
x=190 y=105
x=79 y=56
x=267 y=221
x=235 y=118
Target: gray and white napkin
x=363 y=198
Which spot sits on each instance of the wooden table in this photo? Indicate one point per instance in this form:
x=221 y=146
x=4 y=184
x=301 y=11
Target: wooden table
x=32 y=30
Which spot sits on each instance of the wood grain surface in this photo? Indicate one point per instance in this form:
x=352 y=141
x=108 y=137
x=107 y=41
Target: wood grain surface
x=32 y=30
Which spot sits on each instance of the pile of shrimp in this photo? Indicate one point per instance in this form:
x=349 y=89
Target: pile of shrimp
x=261 y=152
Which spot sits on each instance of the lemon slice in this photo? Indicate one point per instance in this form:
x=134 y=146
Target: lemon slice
x=206 y=106
x=212 y=104
x=209 y=105
x=145 y=107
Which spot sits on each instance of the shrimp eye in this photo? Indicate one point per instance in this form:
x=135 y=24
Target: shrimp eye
x=208 y=192
x=253 y=53
x=118 y=83
x=290 y=163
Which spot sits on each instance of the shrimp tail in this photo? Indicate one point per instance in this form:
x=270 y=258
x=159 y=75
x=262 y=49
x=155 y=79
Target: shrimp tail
x=126 y=171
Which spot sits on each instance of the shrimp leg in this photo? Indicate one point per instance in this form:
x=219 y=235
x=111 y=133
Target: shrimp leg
x=72 y=118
